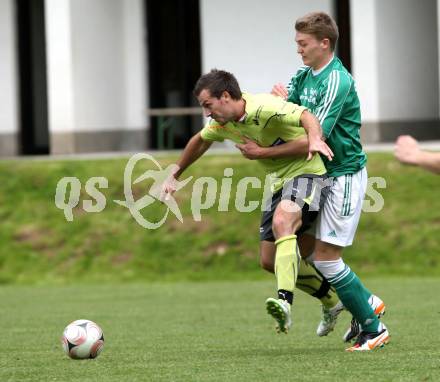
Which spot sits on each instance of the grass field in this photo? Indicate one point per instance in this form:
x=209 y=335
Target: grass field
x=211 y=331
x=186 y=302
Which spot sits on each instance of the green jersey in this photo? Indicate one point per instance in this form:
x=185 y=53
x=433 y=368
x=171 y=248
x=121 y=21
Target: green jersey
x=331 y=95
x=269 y=121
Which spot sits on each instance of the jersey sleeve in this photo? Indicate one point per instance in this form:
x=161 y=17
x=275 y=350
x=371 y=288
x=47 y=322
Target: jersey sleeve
x=292 y=116
x=210 y=133
x=333 y=97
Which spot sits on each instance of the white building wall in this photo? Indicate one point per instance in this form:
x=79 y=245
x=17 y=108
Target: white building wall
x=395 y=59
x=408 y=60
x=96 y=67
x=438 y=46
x=254 y=39
x=8 y=69
x=136 y=68
x=364 y=57
x=96 y=57
x=59 y=62
x=98 y=64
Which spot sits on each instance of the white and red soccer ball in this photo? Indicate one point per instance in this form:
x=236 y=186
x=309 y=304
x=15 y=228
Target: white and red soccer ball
x=82 y=339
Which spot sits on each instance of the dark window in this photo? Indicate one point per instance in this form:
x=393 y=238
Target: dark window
x=174 y=62
x=34 y=129
x=343 y=21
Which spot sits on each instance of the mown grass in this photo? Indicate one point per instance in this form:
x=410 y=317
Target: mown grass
x=211 y=331
x=37 y=244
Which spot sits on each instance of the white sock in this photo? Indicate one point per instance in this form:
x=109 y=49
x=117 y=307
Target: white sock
x=330 y=269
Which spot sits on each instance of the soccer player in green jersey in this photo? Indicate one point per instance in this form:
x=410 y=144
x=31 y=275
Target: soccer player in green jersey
x=327 y=89
x=298 y=184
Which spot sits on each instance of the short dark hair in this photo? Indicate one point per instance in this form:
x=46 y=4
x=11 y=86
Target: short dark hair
x=320 y=25
x=218 y=81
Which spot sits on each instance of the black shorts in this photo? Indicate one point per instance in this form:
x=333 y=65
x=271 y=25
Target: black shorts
x=308 y=191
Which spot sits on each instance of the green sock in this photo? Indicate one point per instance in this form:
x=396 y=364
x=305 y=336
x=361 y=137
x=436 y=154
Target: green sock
x=311 y=281
x=355 y=296
x=286 y=263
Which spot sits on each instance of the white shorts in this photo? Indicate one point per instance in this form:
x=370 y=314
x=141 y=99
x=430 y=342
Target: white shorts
x=338 y=220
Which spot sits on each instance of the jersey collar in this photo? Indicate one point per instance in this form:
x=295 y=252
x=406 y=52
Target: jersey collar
x=319 y=71
x=247 y=106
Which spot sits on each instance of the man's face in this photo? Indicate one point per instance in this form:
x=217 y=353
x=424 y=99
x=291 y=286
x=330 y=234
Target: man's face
x=219 y=109
x=312 y=51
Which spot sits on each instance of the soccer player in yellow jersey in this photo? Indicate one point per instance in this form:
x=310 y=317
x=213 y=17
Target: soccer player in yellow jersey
x=298 y=184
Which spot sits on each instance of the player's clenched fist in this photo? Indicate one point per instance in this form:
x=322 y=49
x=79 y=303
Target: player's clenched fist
x=407 y=149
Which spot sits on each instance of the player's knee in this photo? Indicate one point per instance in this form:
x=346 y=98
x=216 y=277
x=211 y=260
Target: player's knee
x=284 y=228
x=285 y=223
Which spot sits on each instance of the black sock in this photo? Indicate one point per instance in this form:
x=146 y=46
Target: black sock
x=285 y=295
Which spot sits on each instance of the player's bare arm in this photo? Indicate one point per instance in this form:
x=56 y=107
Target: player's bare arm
x=296 y=148
x=193 y=150
x=314 y=131
x=310 y=124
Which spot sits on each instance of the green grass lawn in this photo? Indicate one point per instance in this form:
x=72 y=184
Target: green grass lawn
x=211 y=331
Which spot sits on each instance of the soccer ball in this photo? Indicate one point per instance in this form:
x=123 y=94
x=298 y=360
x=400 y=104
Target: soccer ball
x=82 y=339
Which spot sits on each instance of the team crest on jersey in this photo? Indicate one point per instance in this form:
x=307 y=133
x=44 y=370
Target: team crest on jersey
x=309 y=96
